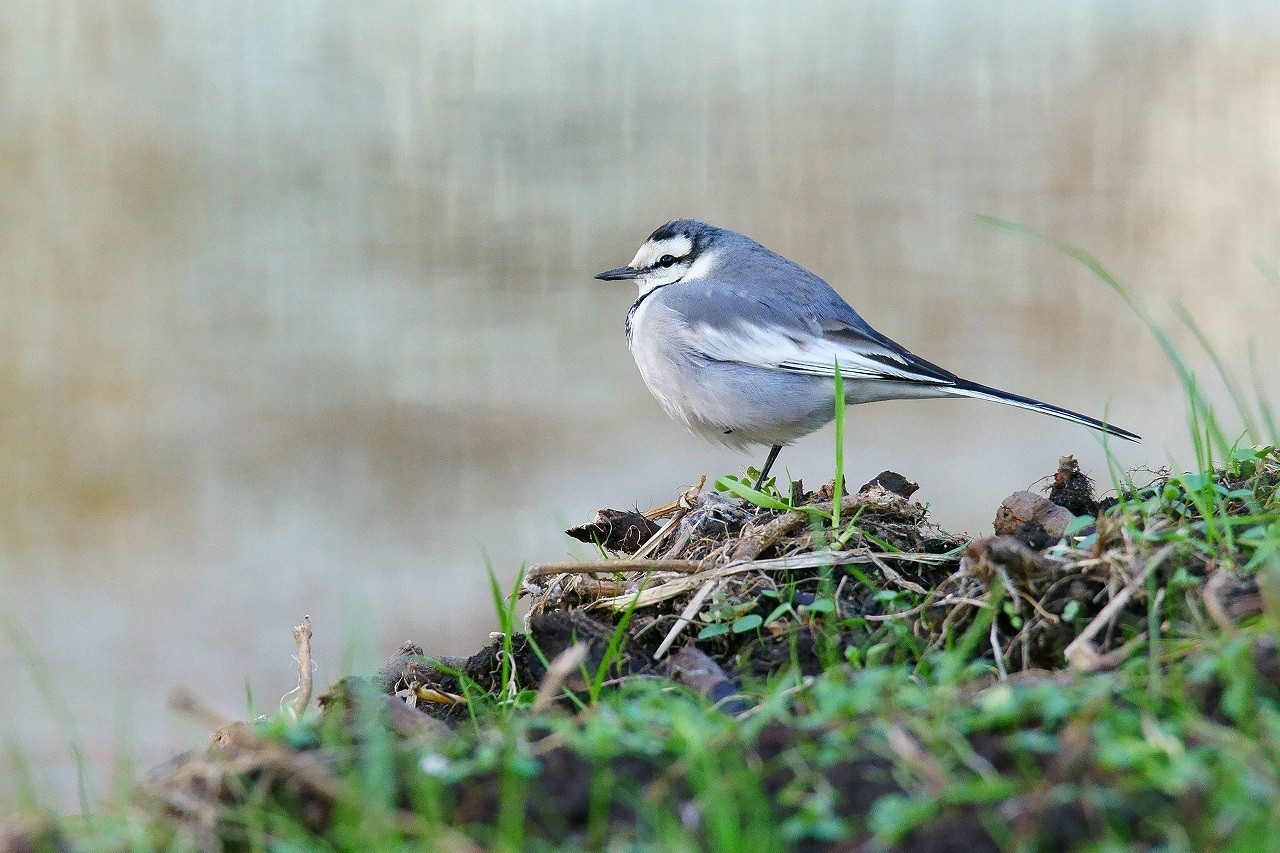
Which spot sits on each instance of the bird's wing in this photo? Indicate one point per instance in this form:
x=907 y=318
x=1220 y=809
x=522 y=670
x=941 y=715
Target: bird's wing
x=869 y=355
x=792 y=320
x=814 y=348
x=805 y=327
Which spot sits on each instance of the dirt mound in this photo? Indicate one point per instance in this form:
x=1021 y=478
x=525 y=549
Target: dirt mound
x=720 y=593
x=758 y=589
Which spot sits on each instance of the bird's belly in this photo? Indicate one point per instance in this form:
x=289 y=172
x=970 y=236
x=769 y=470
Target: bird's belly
x=727 y=402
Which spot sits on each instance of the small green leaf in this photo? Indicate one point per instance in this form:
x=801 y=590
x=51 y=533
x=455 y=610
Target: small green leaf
x=782 y=608
x=1252 y=535
x=822 y=605
x=742 y=490
x=747 y=623
x=1080 y=522
x=1248 y=454
x=877 y=652
x=892 y=816
x=1196 y=482
x=713 y=630
x=300 y=737
x=1070 y=611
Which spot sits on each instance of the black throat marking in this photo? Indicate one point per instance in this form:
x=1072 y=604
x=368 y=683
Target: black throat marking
x=634 y=305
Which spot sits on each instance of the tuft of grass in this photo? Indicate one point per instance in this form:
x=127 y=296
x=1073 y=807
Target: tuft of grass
x=505 y=605
x=613 y=650
x=59 y=711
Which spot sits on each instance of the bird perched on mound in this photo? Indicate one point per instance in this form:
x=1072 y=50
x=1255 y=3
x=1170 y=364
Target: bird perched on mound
x=740 y=345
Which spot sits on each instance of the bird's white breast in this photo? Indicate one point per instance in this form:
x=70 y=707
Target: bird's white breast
x=700 y=402
x=654 y=329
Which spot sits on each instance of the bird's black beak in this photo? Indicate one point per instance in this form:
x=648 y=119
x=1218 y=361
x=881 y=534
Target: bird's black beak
x=620 y=274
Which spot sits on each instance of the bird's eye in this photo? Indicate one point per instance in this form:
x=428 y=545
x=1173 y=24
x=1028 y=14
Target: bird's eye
x=667 y=261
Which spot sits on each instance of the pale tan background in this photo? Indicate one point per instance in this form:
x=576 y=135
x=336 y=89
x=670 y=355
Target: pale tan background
x=297 y=315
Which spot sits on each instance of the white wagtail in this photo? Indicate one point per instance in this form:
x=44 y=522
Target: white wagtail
x=739 y=344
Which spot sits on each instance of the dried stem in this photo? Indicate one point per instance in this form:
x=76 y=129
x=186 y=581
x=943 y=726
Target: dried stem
x=1108 y=613
x=302 y=697
x=690 y=610
x=609 y=567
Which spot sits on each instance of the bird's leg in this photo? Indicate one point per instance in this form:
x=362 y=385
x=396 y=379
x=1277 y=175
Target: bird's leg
x=768 y=463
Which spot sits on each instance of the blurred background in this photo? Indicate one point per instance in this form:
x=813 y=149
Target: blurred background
x=297 y=310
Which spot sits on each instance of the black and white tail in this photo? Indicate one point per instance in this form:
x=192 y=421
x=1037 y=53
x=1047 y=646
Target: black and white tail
x=965 y=388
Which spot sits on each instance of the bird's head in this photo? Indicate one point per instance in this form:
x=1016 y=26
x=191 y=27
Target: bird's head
x=681 y=250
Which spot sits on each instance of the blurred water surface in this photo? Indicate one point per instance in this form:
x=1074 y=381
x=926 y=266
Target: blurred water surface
x=298 y=318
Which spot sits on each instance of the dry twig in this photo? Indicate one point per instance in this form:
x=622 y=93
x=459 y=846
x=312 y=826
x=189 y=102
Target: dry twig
x=690 y=610
x=564 y=665
x=609 y=567
x=671 y=589
x=1113 y=607
x=302 y=695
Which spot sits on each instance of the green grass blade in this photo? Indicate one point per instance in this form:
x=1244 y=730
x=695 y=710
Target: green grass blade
x=54 y=699
x=615 y=641
x=1224 y=373
x=739 y=489
x=837 y=496
x=1265 y=408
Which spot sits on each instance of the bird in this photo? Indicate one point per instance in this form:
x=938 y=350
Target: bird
x=740 y=345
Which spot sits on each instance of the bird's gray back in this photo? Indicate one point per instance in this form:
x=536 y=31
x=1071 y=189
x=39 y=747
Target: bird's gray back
x=751 y=286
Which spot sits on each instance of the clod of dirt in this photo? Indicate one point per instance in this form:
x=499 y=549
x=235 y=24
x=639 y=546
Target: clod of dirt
x=893 y=482
x=406 y=666
x=697 y=671
x=350 y=696
x=621 y=531
x=1072 y=489
x=1030 y=518
x=233 y=735
x=1034 y=536
x=827 y=491
x=1005 y=555
x=562 y=801
x=715 y=518
x=857 y=782
x=1229 y=597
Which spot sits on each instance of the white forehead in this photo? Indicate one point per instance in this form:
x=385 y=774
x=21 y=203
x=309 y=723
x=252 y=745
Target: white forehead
x=679 y=246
